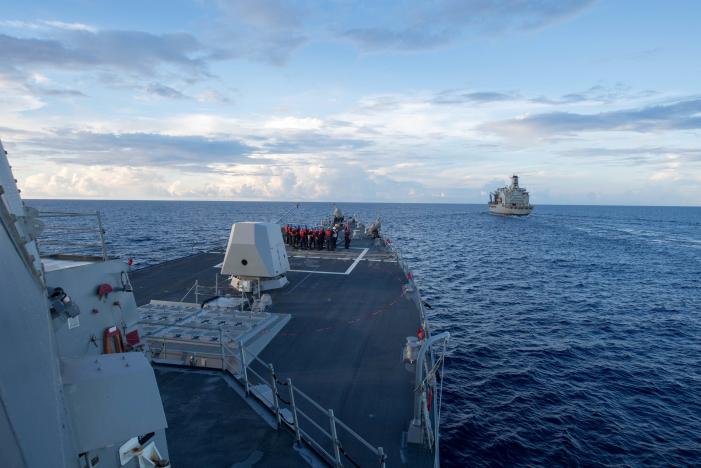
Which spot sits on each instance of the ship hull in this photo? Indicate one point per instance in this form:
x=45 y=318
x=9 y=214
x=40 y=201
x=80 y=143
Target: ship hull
x=509 y=211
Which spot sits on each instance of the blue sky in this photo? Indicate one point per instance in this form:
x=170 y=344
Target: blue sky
x=423 y=101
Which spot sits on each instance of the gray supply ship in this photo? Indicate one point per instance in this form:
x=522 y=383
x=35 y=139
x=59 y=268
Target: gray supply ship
x=511 y=200
x=258 y=354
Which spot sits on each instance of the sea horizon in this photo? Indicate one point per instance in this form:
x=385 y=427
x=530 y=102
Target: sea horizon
x=348 y=201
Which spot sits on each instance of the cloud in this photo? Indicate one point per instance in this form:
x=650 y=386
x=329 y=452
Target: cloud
x=71 y=26
x=638 y=155
x=135 y=149
x=95 y=182
x=127 y=51
x=46 y=24
x=413 y=38
x=267 y=31
x=427 y=25
x=313 y=142
x=680 y=115
x=162 y=90
x=599 y=93
x=462 y=97
x=278 y=14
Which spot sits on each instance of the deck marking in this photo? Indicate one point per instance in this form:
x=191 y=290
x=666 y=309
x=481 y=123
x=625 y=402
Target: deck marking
x=357 y=260
x=346 y=273
x=300 y=282
x=319 y=272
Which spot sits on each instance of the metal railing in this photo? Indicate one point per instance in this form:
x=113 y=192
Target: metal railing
x=73 y=233
x=220 y=288
x=426 y=414
x=333 y=440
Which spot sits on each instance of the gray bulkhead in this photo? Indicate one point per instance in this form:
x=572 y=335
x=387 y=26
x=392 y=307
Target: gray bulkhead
x=60 y=396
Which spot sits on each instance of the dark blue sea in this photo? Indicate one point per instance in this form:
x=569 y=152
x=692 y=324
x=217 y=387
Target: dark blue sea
x=576 y=332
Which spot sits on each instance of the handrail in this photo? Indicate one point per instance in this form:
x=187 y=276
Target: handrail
x=422 y=414
x=227 y=354
x=99 y=229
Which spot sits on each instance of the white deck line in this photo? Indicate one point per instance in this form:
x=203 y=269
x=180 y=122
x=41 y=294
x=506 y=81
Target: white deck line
x=319 y=272
x=347 y=272
x=357 y=260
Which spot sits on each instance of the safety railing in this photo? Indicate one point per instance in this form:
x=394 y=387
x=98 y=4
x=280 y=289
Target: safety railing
x=200 y=291
x=318 y=427
x=426 y=413
x=72 y=233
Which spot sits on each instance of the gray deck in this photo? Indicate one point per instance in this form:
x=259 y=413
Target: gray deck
x=343 y=344
x=206 y=418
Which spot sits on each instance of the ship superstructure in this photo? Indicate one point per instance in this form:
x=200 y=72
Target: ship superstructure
x=259 y=354
x=511 y=200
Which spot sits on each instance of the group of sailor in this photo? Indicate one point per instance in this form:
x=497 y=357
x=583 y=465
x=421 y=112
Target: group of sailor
x=315 y=238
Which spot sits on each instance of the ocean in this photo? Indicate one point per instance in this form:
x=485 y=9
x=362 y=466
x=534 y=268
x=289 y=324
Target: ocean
x=575 y=332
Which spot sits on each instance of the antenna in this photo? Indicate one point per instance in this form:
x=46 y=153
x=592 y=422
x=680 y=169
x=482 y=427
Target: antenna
x=282 y=216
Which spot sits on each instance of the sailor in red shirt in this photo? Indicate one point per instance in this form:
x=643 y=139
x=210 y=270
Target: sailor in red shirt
x=303 y=238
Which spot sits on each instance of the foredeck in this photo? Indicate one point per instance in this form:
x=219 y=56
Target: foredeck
x=343 y=344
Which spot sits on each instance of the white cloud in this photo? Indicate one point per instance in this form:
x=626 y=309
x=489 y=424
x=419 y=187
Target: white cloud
x=70 y=26
x=293 y=123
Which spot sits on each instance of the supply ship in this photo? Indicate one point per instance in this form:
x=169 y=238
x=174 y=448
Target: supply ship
x=261 y=353
x=511 y=200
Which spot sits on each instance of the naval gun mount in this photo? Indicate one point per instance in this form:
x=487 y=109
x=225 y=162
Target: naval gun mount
x=255 y=257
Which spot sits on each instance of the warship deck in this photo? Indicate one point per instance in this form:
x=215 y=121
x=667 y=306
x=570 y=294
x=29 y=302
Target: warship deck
x=342 y=346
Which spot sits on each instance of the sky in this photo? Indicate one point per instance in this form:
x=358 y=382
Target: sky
x=589 y=102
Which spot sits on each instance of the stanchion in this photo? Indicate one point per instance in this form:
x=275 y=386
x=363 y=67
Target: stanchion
x=298 y=436
x=273 y=386
x=334 y=439
x=244 y=371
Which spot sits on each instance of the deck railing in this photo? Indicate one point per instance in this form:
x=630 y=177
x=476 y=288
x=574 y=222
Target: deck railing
x=200 y=291
x=72 y=233
x=333 y=440
x=426 y=413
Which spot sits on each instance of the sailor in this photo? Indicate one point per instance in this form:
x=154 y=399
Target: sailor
x=346 y=236
x=320 y=245
x=328 y=238
x=303 y=238
x=310 y=239
x=334 y=238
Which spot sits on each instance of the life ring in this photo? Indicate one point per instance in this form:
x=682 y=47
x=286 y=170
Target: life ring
x=112 y=335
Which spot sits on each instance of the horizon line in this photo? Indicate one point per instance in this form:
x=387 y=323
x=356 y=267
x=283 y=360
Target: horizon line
x=336 y=202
